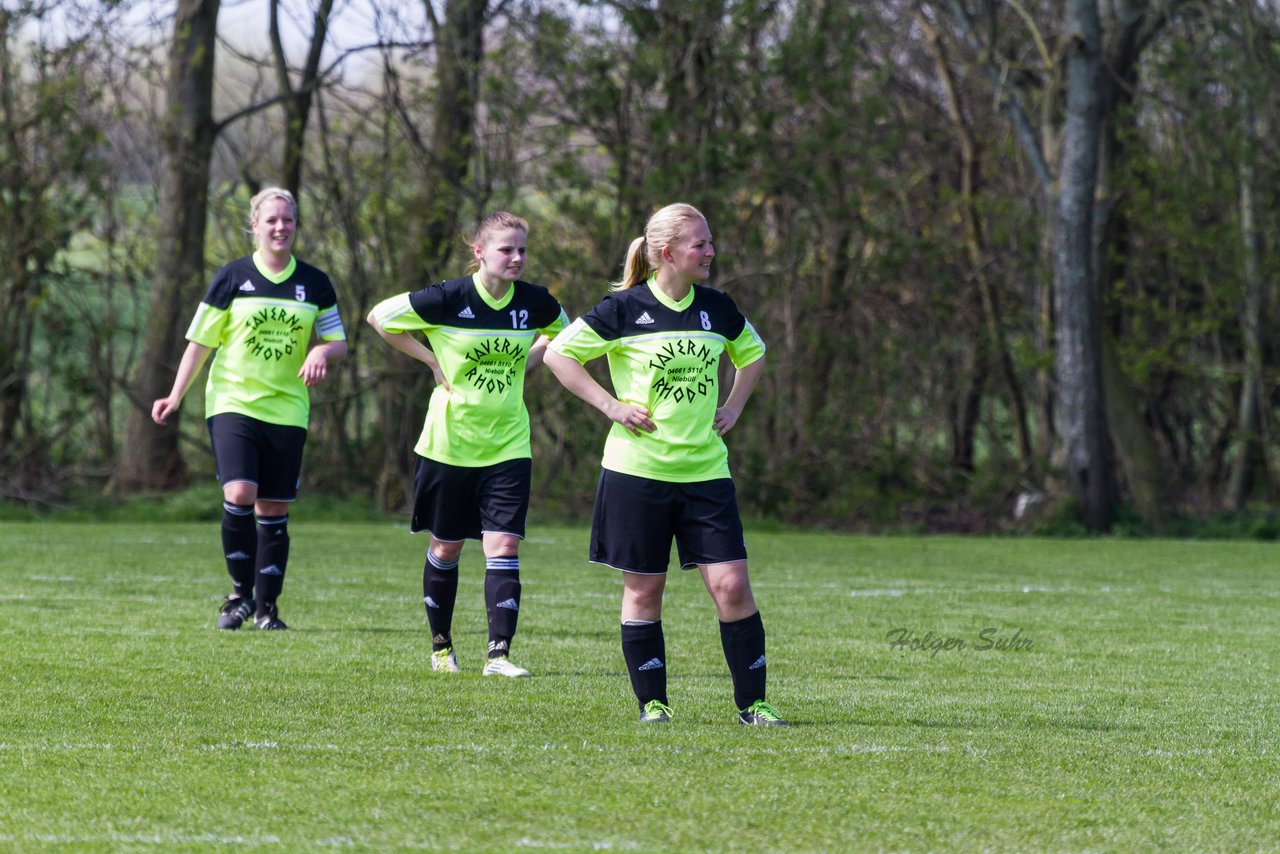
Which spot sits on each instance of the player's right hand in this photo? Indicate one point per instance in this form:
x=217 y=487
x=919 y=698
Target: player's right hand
x=634 y=418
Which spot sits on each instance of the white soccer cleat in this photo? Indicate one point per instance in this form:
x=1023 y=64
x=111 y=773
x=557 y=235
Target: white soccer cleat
x=503 y=667
x=444 y=661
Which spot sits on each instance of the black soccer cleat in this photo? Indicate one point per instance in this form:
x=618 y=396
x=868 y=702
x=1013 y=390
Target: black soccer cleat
x=234 y=612
x=270 y=621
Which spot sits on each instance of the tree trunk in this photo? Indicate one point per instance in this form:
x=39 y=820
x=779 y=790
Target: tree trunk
x=432 y=216
x=686 y=155
x=1136 y=451
x=1143 y=468
x=433 y=213
x=16 y=287
x=1083 y=422
x=297 y=107
x=1250 y=456
x=151 y=458
x=964 y=422
x=995 y=347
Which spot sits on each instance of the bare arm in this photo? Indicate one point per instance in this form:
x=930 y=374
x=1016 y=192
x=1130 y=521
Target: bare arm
x=573 y=376
x=193 y=359
x=536 y=353
x=744 y=383
x=316 y=367
x=411 y=347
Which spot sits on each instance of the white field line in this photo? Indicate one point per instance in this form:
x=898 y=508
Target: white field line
x=165 y=840
x=472 y=747
x=586 y=748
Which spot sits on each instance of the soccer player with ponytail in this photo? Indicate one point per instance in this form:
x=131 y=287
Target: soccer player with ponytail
x=665 y=471
x=473 y=472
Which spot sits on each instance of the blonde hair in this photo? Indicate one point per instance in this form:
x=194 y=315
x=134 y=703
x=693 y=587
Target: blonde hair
x=255 y=204
x=645 y=253
x=495 y=221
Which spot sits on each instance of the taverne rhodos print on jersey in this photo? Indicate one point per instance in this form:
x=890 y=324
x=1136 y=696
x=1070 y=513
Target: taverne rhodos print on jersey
x=261 y=324
x=482 y=345
x=494 y=364
x=663 y=355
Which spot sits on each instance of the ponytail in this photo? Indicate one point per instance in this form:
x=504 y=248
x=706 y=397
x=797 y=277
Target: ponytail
x=636 y=268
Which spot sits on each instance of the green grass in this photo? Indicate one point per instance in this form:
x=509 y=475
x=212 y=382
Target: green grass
x=1141 y=718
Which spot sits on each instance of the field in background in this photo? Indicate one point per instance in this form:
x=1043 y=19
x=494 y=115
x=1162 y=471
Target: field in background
x=1126 y=702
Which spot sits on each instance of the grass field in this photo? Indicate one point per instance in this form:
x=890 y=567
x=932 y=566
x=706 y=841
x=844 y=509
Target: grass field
x=1132 y=707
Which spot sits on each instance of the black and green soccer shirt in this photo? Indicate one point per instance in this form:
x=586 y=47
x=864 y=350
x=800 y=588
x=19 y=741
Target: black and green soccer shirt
x=482 y=345
x=663 y=355
x=261 y=325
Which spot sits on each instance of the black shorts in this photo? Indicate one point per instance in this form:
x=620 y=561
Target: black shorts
x=248 y=450
x=636 y=518
x=458 y=503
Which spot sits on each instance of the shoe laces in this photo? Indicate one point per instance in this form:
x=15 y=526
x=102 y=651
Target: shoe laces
x=657 y=707
x=764 y=711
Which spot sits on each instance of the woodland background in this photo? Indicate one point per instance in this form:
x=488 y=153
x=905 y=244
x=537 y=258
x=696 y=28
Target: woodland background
x=1005 y=253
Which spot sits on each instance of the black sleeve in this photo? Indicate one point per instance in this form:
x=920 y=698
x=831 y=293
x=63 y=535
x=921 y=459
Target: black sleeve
x=222 y=289
x=734 y=319
x=324 y=295
x=429 y=302
x=605 y=319
x=328 y=295
x=543 y=307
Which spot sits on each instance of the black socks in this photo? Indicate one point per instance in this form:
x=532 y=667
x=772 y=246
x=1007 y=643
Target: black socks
x=502 y=601
x=644 y=649
x=240 y=545
x=439 y=593
x=743 y=643
x=273 y=559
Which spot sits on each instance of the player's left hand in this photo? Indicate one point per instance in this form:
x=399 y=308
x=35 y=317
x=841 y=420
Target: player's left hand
x=315 y=369
x=725 y=419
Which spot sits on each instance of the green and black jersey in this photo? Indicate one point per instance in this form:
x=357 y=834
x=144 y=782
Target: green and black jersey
x=482 y=345
x=664 y=355
x=261 y=324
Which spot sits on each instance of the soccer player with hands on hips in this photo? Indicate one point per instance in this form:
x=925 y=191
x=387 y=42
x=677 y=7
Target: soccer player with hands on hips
x=261 y=314
x=665 y=470
x=473 y=470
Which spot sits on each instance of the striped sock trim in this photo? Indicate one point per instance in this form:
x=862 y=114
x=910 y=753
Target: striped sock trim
x=443 y=566
x=502 y=564
x=238 y=509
